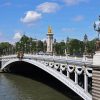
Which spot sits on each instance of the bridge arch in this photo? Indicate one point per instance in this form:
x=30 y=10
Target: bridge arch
x=68 y=82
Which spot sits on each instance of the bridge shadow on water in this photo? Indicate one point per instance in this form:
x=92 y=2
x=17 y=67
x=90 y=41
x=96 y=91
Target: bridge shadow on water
x=35 y=73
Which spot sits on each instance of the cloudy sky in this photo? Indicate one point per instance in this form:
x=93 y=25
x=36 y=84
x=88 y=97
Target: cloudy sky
x=72 y=18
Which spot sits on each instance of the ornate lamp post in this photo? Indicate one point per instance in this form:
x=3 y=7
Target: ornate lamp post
x=20 y=53
x=67 y=43
x=85 y=43
x=97 y=29
x=96 y=63
x=96 y=57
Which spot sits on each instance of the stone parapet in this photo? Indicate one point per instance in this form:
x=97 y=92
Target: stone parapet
x=96 y=83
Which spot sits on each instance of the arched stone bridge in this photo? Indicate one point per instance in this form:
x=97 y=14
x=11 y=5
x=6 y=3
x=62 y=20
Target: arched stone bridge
x=61 y=68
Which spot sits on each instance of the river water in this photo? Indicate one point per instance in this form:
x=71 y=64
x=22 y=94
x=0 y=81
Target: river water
x=14 y=87
x=37 y=86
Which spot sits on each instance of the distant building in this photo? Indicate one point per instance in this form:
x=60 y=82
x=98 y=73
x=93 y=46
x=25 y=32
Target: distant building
x=85 y=40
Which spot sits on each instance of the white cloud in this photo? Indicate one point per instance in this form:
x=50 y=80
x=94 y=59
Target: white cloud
x=44 y=39
x=30 y=17
x=68 y=30
x=74 y=2
x=6 y=4
x=78 y=18
x=17 y=36
x=48 y=7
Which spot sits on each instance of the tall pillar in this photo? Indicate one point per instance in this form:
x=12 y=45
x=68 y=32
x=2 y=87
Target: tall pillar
x=50 y=41
x=96 y=65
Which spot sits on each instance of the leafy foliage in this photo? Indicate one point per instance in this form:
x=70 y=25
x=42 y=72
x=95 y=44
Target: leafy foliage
x=28 y=44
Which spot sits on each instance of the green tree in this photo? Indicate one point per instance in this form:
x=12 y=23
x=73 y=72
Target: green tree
x=5 y=48
x=75 y=47
x=39 y=46
x=60 y=48
x=91 y=46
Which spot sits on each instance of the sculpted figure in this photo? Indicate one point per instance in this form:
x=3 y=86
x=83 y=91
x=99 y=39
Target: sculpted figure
x=97 y=45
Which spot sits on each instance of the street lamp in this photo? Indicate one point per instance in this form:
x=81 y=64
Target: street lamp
x=97 y=29
x=85 y=43
x=96 y=57
x=67 y=43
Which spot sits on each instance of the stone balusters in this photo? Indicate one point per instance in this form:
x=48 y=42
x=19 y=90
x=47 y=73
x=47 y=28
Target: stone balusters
x=78 y=70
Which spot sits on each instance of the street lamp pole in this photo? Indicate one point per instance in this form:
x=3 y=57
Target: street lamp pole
x=97 y=29
x=85 y=44
x=96 y=57
x=96 y=63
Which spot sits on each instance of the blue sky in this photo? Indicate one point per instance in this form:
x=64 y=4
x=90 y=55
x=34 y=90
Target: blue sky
x=68 y=18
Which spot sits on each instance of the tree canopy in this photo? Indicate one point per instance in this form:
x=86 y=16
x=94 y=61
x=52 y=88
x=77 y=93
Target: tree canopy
x=28 y=44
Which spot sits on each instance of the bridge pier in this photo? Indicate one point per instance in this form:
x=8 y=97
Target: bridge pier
x=96 y=77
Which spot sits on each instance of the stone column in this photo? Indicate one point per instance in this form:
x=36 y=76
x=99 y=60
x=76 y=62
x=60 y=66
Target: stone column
x=50 y=41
